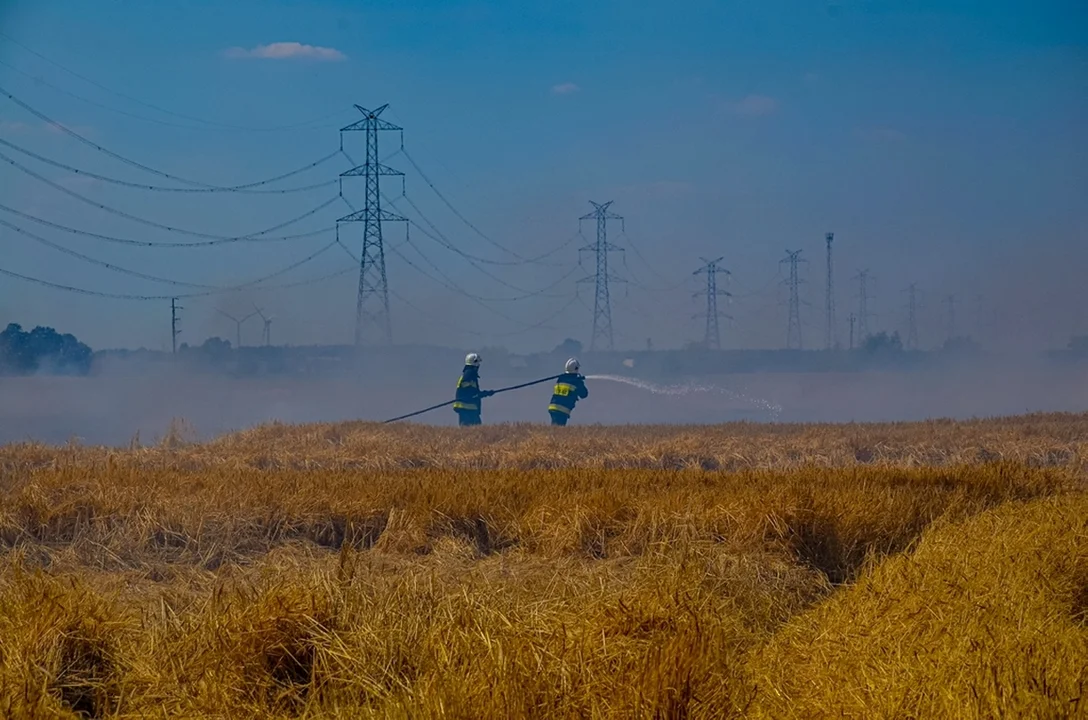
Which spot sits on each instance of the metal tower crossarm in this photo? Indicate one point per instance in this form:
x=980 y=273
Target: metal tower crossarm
x=712 y=339
x=372 y=301
x=602 y=302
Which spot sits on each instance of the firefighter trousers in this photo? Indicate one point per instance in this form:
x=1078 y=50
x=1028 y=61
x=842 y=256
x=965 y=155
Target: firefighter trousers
x=558 y=418
x=468 y=417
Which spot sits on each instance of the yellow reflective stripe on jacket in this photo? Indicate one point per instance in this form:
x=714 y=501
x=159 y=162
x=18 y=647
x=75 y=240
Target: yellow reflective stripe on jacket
x=461 y=382
x=465 y=406
x=558 y=408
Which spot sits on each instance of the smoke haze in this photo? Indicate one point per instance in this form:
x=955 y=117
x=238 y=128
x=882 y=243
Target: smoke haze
x=141 y=399
x=944 y=147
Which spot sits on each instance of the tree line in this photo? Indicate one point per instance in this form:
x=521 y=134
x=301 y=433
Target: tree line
x=42 y=350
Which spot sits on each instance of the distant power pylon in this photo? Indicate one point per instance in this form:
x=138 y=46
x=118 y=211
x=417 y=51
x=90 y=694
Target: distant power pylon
x=372 y=301
x=829 y=302
x=950 y=319
x=266 y=337
x=863 y=303
x=602 y=303
x=237 y=324
x=853 y=322
x=912 y=316
x=793 y=324
x=980 y=317
x=712 y=339
x=175 y=328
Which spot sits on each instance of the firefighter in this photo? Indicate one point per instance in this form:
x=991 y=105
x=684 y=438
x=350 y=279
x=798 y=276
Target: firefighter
x=467 y=400
x=570 y=387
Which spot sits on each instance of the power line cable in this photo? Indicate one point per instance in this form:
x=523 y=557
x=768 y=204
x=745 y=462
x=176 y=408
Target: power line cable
x=153 y=243
x=525 y=293
x=159 y=188
x=650 y=289
x=562 y=246
x=762 y=291
x=309 y=281
x=642 y=258
x=471 y=262
x=455 y=211
x=147 y=168
x=449 y=285
x=95 y=293
x=283 y=271
x=449 y=245
x=440 y=322
x=128 y=296
x=37 y=80
x=124 y=296
x=152 y=223
x=542 y=292
x=155 y=278
x=443 y=240
x=214 y=124
x=101 y=263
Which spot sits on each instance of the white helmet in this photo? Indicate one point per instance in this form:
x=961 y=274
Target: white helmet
x=472 y=359
x=572 y=365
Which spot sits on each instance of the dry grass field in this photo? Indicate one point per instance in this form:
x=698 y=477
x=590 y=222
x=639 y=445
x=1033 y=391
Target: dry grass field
x=356 y=570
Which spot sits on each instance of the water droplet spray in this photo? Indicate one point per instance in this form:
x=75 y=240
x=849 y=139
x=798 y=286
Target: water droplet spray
x=773 y=409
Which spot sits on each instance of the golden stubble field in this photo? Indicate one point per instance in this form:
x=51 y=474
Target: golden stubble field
x=357 y=570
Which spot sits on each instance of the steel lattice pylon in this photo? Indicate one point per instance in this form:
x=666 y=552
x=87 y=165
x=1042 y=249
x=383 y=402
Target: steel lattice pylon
x=602 y=302
x=793 y=324
x=712 y=339
x=372 y=303
x=863 y=277
x=912 y=316
x=830 y=339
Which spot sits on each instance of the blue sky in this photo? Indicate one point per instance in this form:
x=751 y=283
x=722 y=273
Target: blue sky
x=943 y=143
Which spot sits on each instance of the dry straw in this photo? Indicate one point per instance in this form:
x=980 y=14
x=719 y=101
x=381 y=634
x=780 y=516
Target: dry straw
x=933 y=570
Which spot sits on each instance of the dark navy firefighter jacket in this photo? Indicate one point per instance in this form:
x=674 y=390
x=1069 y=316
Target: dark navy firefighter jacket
x=468 y=394
x=569 y=389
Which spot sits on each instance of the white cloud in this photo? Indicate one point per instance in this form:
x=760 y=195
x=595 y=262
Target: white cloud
x=565 y=88
x=753 y=106
x=287 y=51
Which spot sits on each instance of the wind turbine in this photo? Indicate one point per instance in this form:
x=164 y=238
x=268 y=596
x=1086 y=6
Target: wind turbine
x=267 y=325
x=237 y=323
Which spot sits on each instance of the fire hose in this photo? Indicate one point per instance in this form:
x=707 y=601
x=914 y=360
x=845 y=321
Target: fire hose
x=490 y=392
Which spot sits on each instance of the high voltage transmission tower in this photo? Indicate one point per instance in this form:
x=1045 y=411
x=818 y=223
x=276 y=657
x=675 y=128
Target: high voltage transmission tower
x=853 y=322
x=712 y=340
x=980 y=316
x=829 y=301
x=863 y=303
x=950 y=302
x=793 y=324
x=912 y=316
x=372 y=302
x=602 y=305
x=174 y=329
